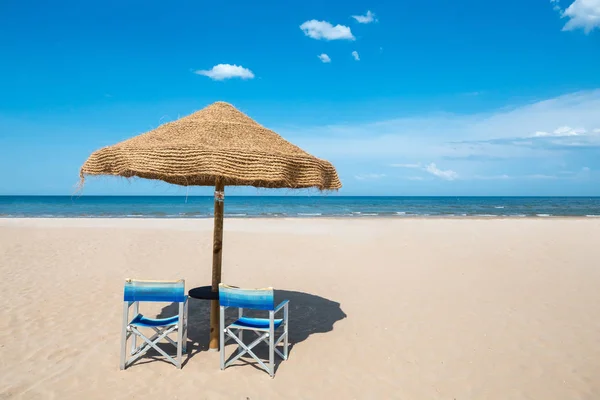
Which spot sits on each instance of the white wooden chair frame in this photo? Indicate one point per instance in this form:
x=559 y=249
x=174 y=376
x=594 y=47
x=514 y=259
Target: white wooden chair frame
x=161 y=332
x=267 y=335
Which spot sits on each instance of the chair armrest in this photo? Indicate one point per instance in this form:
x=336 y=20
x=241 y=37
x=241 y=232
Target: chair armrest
x=281 y=305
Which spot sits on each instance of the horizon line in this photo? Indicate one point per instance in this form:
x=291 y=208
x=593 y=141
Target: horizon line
x=295 y=195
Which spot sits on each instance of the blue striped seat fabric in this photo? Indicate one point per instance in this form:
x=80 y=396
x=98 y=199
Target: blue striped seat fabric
x=160 y=291
x=257 y=299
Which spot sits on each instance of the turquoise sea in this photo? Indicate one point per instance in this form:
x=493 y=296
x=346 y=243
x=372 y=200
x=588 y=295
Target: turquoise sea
x=294 y=206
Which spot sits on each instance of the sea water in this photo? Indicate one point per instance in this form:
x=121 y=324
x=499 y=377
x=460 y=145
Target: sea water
x=296 y=206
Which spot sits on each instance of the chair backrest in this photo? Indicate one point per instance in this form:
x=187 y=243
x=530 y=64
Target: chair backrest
x=258 y=299
x=160 y=291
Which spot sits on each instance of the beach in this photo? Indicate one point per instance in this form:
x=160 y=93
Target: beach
x=419 y=308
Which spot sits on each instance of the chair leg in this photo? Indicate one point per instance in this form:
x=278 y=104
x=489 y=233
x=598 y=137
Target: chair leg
x=271 y=344
x=180 y=330
x=185 y=326
x=136 y=310
x=241 y=337
x=286 y=314
x=124 y=334
x=222 y=336
x=240 y=331
x=153 y=343
x=248 y=348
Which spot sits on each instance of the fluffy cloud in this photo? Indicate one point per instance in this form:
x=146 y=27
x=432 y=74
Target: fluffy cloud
x=365 y=19
x=494 y=143
x=448 y=175
x=556 y=6
x=582 y=14
x=355 y=55
x=324 y=30
x=563 y=131
x=325 y=58
x=226 y=71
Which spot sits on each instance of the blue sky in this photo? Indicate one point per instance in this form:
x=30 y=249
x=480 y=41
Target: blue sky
x=404 y=98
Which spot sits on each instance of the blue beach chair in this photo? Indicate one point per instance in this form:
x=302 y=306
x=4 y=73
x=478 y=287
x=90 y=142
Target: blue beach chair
x=137 y=291
x=264 y=328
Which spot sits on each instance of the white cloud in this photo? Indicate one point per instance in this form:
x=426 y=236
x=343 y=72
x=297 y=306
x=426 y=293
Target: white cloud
x=492 y=143
x=584 y=14
x=563 y=131
x=568 y=131
x=324 y=30
x=556 y=6
x=432 y=169
x=447 y=174
x=355 y=55
x=226 y=71
x=364 y=177
x=365 y=19
x=325 y=58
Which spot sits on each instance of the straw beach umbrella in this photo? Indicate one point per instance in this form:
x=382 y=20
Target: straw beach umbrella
x=216 y=146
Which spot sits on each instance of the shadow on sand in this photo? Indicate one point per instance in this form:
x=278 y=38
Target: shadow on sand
x=309 y=314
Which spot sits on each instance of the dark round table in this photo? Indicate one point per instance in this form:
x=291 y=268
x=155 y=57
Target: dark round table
x=203 y=293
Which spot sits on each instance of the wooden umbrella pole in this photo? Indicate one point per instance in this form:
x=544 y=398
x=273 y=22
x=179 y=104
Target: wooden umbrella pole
x=216 y=265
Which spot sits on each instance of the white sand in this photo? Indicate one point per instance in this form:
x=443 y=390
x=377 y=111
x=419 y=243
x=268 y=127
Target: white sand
x=408 y=309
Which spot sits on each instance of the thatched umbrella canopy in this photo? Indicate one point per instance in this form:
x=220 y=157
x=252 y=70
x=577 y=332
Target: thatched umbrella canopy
x=216 y=146
x=217 y=143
